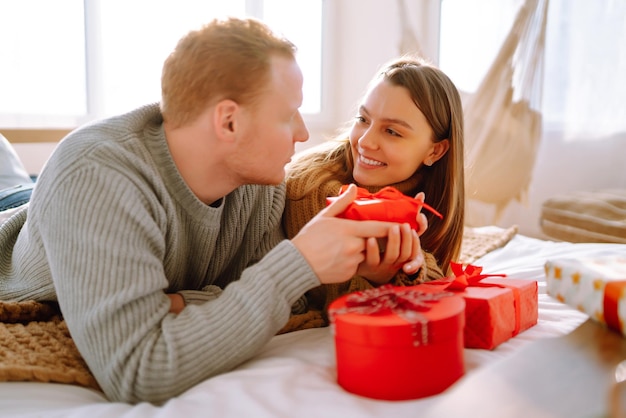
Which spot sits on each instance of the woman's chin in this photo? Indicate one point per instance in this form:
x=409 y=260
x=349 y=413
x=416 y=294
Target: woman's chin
x=367 y=181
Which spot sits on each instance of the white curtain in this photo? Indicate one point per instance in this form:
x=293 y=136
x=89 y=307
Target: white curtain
x=560 y=73
x=503 y=117
x=585 y=81
x=570 y=84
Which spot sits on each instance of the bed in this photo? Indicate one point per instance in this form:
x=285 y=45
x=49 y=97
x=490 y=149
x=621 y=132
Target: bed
x=295 y=374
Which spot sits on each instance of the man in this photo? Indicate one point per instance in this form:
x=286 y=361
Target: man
x=181 y=199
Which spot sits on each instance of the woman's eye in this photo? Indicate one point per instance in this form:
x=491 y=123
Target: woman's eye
x=392 y=132
x=360 y=119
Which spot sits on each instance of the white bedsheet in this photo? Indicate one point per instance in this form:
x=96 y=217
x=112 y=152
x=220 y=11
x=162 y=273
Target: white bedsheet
x=294 y=375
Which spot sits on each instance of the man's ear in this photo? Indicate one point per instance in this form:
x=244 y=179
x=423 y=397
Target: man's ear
x=225 y=119
x=437 y=151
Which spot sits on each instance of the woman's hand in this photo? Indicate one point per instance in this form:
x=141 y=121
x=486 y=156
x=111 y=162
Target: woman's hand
x=402 y=249
x=177 y=303
x=421 y=218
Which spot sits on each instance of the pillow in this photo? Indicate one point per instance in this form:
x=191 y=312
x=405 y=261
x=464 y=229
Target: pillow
x=12 y=171
x=597 y=216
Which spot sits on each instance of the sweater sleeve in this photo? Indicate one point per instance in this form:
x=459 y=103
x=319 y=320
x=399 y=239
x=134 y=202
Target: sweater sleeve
x=429 y=271
x=106 y=250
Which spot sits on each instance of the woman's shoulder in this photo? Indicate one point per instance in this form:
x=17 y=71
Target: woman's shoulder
x=312 y=182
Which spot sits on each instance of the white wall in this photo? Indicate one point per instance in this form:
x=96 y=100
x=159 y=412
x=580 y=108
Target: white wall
x=366 y=33
x=34 y=155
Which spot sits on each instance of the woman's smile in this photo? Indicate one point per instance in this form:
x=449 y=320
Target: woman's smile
x=370 y=162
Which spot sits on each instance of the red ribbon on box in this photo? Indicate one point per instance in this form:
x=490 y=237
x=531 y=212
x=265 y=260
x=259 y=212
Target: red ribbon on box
x=388 y=204
x=613 y=292
x=385 y=299
x=406 y=303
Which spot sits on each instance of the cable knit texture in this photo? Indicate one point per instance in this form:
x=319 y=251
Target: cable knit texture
x=36 y=346
x=300 y=208
x=112 y=226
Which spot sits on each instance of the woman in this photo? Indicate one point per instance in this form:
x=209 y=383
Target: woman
x=408 y=133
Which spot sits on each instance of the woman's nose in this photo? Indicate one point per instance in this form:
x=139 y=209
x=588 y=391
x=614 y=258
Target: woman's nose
x=368 y=140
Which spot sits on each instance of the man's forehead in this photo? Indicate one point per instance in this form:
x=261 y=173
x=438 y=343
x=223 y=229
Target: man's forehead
x=286 y=80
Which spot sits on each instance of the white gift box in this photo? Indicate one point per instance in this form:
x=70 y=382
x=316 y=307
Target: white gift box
x=595 y=286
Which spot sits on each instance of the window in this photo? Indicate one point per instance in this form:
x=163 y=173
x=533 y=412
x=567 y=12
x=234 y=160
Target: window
x=470 y=36
x=43 y=66
x=584 y=66
x=104 y=57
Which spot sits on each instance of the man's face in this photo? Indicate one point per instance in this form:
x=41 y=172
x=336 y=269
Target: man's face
x=273 y=126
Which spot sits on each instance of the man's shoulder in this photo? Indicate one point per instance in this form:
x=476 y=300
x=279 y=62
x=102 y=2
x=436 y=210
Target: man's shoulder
x=106 y=139
x=115 y=127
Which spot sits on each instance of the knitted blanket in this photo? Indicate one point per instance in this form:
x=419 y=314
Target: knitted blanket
x=35 y=344
x=480 y=241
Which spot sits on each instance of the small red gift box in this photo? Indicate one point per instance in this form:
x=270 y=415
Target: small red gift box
x=496 y=308
x=398 y=343
x=388 y=204
x=495 y=314
x=489 y=316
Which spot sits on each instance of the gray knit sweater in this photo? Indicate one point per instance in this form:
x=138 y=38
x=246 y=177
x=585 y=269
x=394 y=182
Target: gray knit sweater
x=112 y=226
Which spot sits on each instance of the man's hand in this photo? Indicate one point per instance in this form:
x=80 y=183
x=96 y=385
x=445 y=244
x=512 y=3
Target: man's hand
x=335 y=247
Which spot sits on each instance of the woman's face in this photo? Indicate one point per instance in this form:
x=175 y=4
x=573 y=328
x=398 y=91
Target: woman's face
x=390 y=138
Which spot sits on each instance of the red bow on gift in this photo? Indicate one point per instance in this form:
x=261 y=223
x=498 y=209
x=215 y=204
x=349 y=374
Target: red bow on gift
x=388 y=204
x=470 y=276
x=463 y=277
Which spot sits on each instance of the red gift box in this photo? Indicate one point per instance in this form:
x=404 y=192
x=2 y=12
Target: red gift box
x=388 y=204
x=496 y=308
x=489 y=316
x=398 y=343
